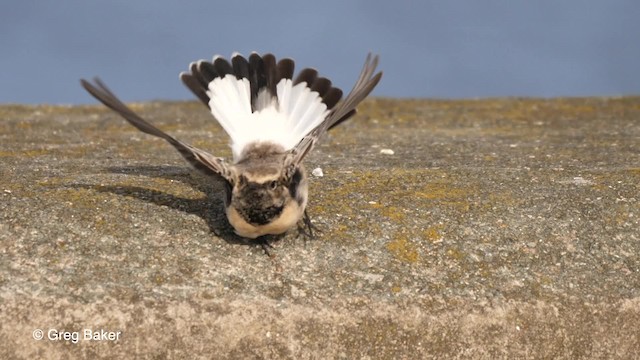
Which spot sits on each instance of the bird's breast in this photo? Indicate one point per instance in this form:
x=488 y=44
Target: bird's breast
x=290 y=215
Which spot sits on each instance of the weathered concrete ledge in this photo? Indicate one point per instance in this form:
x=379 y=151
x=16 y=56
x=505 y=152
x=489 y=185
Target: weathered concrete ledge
x=504 y=228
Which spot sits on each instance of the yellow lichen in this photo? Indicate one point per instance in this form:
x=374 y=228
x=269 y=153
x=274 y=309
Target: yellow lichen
x=432 y=233
x=394 y=213
x=403 y=250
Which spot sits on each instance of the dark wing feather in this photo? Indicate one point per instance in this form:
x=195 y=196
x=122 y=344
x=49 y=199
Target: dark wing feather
x=285 y=69
x=342 y=111
x=206 y=72
x=307 y=75
x=201 y=160
x=331 y=97
x=192 y=82
x=271 y=73
x=221 y=66
x=321 y=85
x=257 y=77
x=262 y=72
x=240 y=67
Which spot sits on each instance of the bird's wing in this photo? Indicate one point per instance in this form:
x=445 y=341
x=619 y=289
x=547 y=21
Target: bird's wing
x=200 y=159
x=342 y=111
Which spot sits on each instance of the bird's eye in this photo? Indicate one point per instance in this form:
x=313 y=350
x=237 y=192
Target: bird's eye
x=273 y=185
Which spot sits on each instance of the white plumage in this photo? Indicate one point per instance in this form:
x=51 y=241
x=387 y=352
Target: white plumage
x=285 y=120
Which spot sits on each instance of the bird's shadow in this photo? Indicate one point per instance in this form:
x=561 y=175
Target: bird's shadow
x=210 y=208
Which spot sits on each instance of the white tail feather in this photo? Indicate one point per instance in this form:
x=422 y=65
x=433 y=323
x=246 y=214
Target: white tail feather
x=297 y=112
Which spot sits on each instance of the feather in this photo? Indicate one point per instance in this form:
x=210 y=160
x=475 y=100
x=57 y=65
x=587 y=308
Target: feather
x=285 y=69
x=206 y=71
x=321 y=86
x=221 y=66
x=240 y=66
x=331 y=97
x=271 y=73
x=257 y=77
x=194 y=85
x=342 y=111
x=199 y=159
x=259 y=100
x=307 y=76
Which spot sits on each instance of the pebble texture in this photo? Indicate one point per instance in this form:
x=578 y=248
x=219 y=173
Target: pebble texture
x=474 y=229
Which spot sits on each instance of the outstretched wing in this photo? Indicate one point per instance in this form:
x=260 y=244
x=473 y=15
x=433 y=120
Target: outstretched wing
x=257 y=99
x=201 y=160
x=345 y=109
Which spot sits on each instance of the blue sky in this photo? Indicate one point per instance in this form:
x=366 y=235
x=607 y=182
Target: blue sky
x=436 y=49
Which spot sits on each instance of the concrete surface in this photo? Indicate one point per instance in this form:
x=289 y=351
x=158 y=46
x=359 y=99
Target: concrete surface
x=501 y=228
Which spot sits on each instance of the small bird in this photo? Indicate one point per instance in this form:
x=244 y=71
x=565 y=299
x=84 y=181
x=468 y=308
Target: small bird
x=273 y=121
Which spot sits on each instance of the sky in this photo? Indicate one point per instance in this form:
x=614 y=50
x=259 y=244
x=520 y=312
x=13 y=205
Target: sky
x=428 y=49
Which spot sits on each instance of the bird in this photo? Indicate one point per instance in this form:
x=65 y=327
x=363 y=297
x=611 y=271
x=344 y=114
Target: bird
x=273 y=120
